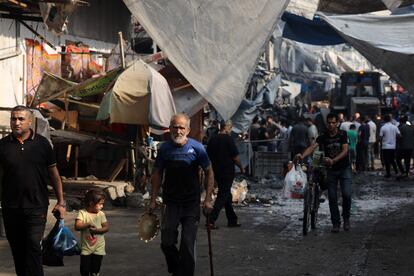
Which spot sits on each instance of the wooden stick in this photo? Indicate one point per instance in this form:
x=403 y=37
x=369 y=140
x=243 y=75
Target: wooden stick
x=117 y=170
x=96 y=106
x=76 y=161
x=121 y=49
x=23 y=5
x=68 y=152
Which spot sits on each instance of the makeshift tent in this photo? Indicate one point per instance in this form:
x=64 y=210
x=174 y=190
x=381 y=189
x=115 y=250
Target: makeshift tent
x=315 y=32
x=392 y=50
x=214 y=44
x=140 y=95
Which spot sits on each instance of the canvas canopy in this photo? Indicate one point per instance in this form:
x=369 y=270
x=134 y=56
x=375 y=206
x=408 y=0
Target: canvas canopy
x=215 y=44
x=140 y=95
x=392 y=51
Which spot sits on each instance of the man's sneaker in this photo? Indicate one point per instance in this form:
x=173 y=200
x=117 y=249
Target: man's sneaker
x=234 y=224
x=335 y=228
x=347 y=225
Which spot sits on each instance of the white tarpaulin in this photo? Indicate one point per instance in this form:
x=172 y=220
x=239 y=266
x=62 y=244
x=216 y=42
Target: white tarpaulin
x=386 y=41
x=213 y=43
x=188 y=101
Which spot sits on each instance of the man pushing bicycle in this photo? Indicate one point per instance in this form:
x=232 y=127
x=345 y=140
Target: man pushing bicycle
x=334 y=144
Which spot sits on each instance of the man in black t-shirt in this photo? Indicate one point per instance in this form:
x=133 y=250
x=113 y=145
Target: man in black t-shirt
x=224 y=155
x=334 y=143
x=28 y=163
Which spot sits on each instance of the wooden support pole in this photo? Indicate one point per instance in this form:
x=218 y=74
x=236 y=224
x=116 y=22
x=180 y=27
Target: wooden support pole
x=117 y=170
x=76 y=172
x=68 y=152
x=66 y=112
x=121 y=49
x=91 y=105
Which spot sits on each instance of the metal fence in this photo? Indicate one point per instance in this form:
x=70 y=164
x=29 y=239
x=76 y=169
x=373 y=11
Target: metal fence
x=268 y=157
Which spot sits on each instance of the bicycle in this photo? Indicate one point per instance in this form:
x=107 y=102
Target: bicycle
x=311 y=201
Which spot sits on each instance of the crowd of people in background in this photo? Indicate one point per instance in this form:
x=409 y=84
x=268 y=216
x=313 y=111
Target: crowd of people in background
x=375 y=142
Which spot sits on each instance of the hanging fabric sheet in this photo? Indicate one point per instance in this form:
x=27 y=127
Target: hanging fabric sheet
x=392 y=51
x=215 y=44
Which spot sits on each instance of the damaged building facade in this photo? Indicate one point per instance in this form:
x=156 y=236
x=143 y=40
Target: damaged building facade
x=28 y=48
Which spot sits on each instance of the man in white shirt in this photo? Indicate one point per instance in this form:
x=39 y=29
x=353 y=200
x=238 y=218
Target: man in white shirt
x=372 y=141
x=388 y=135
x=346 y=124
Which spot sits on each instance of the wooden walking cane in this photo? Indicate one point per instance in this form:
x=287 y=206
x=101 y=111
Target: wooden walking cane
x=210 y=251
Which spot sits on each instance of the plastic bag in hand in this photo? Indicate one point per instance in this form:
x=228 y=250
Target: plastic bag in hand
x=295 y=183
x=59 y=242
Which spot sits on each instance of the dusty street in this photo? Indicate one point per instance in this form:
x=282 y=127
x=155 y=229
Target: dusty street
x=381 y=241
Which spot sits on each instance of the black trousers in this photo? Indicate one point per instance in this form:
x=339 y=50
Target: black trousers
x=180 y=262
x=24 y=231
x=406 y=155
x=90 y=265
x=224 y=199
x=362 y=157
x=389 y=159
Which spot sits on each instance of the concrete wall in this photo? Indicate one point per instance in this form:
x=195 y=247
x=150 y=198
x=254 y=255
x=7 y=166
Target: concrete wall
x=11 y=65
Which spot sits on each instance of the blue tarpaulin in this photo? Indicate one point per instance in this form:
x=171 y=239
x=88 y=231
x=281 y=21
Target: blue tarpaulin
x=315 y=32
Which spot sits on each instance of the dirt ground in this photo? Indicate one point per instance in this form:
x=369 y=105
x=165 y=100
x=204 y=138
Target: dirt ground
x=381 y=241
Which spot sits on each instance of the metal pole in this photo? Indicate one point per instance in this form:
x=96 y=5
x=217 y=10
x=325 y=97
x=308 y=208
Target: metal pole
x=37 y=34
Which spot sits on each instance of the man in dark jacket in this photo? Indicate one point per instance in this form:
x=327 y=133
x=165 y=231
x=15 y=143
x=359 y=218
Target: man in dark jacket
x=224 y=155
x=299 y=138
x=362 y=145
x=405 y=145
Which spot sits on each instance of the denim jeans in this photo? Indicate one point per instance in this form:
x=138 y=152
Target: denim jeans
x=371 y=155
x=344 y=177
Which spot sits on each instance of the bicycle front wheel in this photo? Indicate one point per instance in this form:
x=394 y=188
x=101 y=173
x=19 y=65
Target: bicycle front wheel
x=314 y=212
x=307 y=201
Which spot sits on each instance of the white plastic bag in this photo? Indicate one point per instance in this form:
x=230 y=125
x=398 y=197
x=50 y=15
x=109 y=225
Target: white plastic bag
x=295 y=183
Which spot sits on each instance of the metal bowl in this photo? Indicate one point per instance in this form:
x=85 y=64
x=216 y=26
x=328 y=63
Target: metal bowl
x=148 y=226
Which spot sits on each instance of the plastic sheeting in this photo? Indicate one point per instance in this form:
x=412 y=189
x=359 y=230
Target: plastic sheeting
x=315 y=32
x=392 y=51
x=298 y=60
x=248 y=109
x=215 y=44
